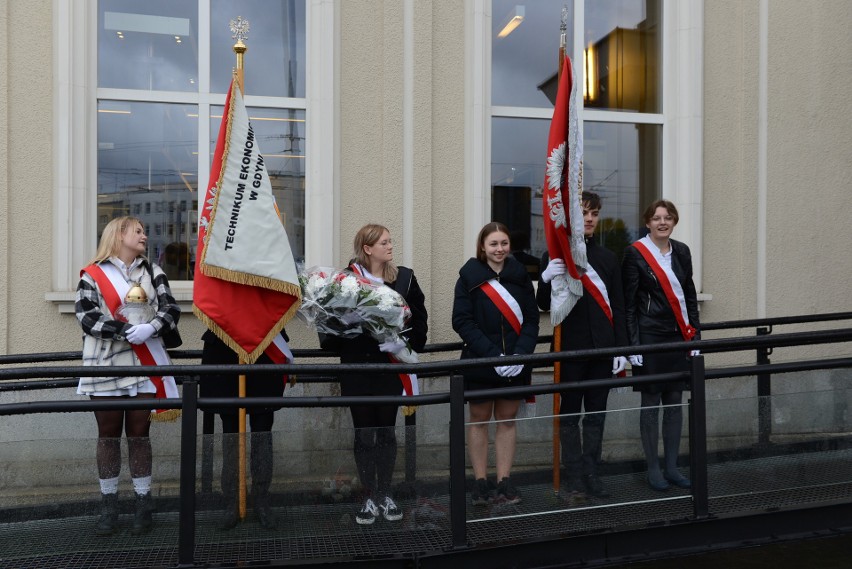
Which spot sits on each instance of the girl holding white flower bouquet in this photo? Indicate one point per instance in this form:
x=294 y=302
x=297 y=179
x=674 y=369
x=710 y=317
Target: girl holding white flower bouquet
x=375 y=437
x=495 y=314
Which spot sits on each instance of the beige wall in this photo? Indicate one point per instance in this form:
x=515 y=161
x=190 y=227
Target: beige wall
x=808 y=158
x=372 y=143
x=808 y=133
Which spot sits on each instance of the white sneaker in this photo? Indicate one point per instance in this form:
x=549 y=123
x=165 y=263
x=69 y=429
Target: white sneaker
x=390 y=510
x=368 y=513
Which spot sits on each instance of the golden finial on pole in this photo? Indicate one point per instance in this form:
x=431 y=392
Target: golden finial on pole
x=239 y=31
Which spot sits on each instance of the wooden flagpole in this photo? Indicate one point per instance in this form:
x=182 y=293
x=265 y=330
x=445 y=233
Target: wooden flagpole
x=557 y=330
x=239 y=28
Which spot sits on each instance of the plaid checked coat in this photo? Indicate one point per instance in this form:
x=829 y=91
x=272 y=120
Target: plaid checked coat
x=104 y=342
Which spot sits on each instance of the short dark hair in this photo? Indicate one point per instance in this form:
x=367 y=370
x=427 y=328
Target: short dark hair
x=666 y=204
x=591 y=198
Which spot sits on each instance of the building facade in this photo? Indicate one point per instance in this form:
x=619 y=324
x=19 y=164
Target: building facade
x=420 y=115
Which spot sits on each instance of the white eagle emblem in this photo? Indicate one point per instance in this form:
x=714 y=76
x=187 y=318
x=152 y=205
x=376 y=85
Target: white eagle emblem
x=555 y=169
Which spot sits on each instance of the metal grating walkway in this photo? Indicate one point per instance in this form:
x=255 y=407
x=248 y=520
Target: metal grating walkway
x=325 y=532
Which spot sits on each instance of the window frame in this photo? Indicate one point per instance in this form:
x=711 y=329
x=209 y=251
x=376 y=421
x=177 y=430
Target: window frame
x=76 y=95
x=681 y=118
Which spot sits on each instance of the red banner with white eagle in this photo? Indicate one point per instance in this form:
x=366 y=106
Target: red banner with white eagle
x=563 y=188
x=246 y=286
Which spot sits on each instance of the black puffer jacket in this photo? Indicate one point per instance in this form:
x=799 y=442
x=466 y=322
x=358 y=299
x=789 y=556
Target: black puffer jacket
x=646 y=306
x=481 y=325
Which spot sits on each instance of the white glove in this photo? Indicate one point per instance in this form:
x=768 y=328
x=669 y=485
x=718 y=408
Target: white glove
x=618 y=364
x=502 y=370
x=554 y=268
x=635 y=360
x=694 y=353
x=514 y=370
x=392 y=346
x=140 y=333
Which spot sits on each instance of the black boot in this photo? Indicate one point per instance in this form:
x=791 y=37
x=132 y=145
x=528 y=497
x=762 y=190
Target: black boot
x=261 y=478
x=672 y=427
x=143 y=519
x=649 y=431
x=231 y=517
x=109 y=515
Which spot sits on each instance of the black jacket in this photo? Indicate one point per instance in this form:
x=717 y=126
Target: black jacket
x=587 y=326
x=646 y=306
x=364 y=348
x=481 y=325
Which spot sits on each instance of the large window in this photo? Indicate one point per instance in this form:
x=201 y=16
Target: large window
x=162 y=76
x=618 y=64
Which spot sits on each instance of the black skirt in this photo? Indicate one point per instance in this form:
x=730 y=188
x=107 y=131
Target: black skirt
x=663 y=362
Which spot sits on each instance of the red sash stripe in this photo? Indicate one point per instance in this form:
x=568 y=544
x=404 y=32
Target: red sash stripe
x=503 y=307
x=686 y=330
x=113 y=302
x=595 y=293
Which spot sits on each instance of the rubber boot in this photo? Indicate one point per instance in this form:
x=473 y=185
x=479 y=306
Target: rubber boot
x=672 y=427
x=109 y=515
x=649 y=430
x=143 y=517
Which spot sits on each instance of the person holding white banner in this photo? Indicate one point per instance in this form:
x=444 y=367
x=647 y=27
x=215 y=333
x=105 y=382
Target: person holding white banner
x=661 y=306
x=114 y=278
x=495 y=314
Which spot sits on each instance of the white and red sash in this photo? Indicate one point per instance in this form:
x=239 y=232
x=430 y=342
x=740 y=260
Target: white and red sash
x=596 y=288
x=114 y=288
x=508 y=307
x=410 y=384
x=279 y=352
x=669 y=283
x=505 y=303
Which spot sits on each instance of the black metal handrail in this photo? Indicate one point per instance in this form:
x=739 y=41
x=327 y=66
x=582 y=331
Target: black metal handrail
x=456 y=396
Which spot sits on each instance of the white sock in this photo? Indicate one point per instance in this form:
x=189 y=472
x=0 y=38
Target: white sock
x=109 y=485
x=142 y=485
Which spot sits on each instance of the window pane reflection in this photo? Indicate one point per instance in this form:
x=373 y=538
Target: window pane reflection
x=151 y=45
x=524 y=62
x=275 y=61
x=621 y=163
x=622 y=55
x=147 y=167
x=280 y=135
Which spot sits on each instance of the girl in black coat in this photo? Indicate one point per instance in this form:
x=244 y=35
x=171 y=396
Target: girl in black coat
x=375 y=437
x=489 y=332
x=651 y=319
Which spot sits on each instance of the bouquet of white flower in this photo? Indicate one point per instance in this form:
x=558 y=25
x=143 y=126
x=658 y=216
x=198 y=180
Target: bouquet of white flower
x=341 y=303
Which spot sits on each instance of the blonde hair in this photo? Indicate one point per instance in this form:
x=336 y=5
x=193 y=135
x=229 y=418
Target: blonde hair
x=369 y=235
x=110 y=243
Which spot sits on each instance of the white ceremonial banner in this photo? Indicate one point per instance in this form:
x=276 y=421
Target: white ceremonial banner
x=245 y=240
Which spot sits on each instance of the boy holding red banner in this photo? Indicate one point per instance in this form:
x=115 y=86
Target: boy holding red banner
x=596 y=321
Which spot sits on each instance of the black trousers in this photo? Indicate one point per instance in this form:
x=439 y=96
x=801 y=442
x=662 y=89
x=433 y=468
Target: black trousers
x=582 y=456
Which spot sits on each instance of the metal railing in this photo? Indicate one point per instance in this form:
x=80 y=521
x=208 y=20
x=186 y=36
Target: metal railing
x=15 y=378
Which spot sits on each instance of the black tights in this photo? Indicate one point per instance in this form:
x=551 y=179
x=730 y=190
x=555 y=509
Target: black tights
x=136 y=424
x=375 y=446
